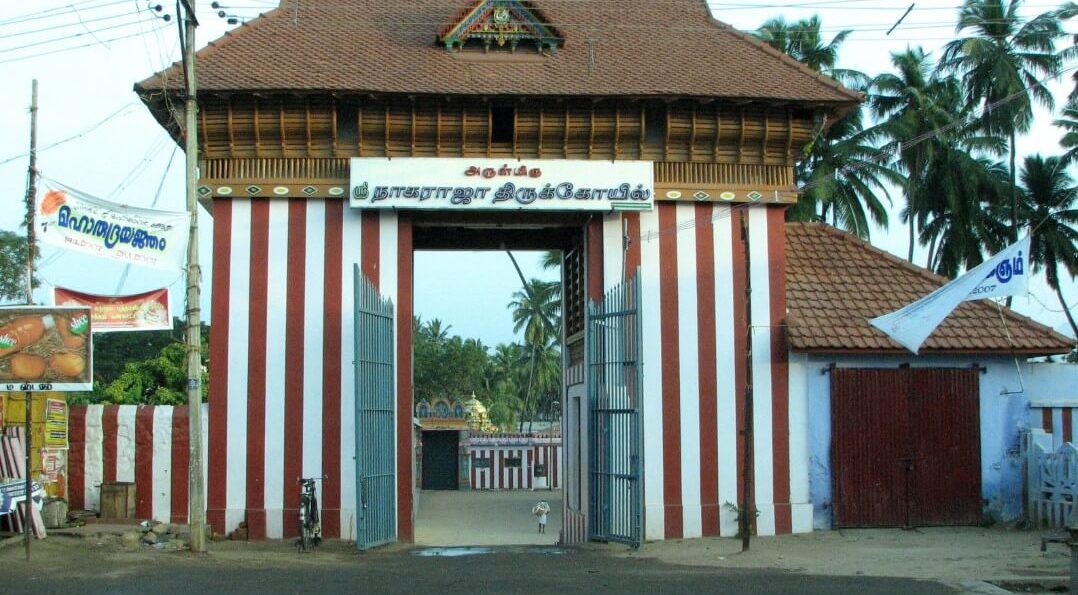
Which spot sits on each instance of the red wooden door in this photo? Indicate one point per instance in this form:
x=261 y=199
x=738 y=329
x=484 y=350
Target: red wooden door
x=945 y=475
x=905 y=447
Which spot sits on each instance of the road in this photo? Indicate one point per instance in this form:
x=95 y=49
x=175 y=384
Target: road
x=65 y=566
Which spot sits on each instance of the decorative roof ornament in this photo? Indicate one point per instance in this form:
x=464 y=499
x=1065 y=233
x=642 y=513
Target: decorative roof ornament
x=502 y=23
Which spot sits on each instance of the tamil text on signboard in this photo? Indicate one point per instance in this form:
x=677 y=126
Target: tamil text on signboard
x=494 y=184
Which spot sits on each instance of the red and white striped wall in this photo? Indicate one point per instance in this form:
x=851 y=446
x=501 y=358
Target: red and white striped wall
x=1055 y=419
x=281 y=377
x=281 y=361
x=497 y=475
x=146 y=445
x=693 y=262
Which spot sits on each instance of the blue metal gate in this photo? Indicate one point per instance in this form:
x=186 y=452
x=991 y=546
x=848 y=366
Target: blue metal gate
x=376 y=476
x=615 y=462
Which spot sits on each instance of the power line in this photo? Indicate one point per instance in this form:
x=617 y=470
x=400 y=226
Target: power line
x=76 y=47
x=54 y=12
x=93 y=32
x=79 y=23
x=122 y=111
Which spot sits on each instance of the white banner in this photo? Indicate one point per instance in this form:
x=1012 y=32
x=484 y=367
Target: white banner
x=501 y=184
x=1006 y=273
x=145 y=237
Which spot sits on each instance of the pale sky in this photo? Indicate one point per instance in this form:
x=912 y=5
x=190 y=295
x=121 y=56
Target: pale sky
x=118 y=152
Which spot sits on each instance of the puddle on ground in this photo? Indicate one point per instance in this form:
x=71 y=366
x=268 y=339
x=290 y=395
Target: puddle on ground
x=452 y=552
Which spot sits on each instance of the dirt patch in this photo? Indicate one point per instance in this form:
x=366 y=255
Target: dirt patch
x=949 y=554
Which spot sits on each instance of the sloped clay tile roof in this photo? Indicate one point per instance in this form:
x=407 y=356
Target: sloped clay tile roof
x=612 y=47
x=835 y=282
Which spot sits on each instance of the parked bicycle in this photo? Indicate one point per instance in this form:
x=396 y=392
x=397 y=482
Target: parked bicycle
x=310 y=524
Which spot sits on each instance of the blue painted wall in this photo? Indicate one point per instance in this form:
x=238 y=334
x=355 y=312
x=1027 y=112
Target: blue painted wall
x=1005 y=414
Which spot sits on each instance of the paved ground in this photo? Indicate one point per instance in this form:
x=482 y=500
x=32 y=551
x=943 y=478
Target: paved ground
x=92 y=559
x=940 y=553
x=68 y=565
x=453 y=517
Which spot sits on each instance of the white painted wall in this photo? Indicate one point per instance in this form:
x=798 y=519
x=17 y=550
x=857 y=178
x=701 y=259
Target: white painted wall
x=1006 y=393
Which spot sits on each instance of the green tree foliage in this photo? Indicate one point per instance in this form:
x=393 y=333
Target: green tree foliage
x=143 y=368
x=1002 y=64
x=445 y=366
x=843 y=171
x=13 y=267
x=1048 y=204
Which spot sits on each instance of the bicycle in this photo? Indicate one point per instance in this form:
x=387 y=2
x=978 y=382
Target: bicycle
x=310 y=525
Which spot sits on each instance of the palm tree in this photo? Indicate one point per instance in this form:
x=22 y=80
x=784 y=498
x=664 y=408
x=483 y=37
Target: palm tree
x=960 y=220
x=912 y=103
x=841 y=174
x=1047 y=206
x=1068 y=121
x=1001 y=65
x=842 y=169
x=535 y=310
x=802 y=41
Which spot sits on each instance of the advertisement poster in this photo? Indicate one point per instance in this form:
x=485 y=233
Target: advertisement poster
x=138 y=312
x=132 y=235
x=55 y=423
x=45 y=348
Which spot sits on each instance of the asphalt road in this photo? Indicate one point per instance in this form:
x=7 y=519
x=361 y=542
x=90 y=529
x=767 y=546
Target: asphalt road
x=503 y=570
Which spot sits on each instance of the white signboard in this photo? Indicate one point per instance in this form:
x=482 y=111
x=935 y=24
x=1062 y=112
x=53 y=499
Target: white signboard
x=501 y=184
x=143 y=237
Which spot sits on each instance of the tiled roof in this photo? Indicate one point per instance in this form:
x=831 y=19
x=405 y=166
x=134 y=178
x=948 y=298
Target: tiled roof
x=835 y=282
x=612 y=47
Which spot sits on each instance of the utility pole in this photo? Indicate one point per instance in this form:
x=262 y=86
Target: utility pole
x=31 y=192
x=197 y=513
x=747 y=507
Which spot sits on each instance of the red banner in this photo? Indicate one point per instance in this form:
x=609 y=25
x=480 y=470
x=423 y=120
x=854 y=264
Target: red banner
x=139 y=312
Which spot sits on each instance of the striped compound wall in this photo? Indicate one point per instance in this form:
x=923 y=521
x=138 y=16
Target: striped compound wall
x=147 y=445
x=489 y=470
x=282 y=349
x=1056 y=421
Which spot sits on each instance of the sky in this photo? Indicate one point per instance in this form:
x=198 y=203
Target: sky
x=94 y=135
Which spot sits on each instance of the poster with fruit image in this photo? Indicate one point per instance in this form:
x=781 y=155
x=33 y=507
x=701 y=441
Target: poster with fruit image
x=45 y=348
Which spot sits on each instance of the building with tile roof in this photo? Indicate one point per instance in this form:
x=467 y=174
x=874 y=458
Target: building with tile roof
x=890 y=431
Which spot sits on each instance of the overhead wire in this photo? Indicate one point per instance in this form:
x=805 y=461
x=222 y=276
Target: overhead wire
x=54 y=12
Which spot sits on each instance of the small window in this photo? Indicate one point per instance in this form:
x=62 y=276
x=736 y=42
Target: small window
x=347 y=123
x=512 y=462
x=655 y=124
x=501 y=123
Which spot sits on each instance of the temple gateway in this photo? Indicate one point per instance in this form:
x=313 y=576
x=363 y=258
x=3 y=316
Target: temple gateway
x=651 y=144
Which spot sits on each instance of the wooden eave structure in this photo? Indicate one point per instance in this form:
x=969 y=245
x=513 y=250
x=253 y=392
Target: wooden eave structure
x=734 y=141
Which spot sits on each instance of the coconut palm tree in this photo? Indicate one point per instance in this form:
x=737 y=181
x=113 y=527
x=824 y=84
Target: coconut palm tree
x=842 y=175
x=912 y=103
x=1048 y=204
x=803 y=41
x=1068 y=121
x=1001 y=64
x=961 y=217
x=842 y=170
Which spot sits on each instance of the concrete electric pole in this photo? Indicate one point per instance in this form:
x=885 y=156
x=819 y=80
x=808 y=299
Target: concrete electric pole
x=196 y=494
